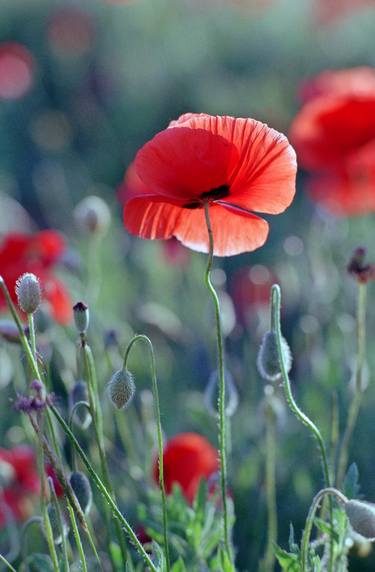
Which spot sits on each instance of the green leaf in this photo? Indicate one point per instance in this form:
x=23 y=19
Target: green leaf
x=351 y=486
x=39 y=563
x=115 y=553
x=288 y=561
x=178 y=566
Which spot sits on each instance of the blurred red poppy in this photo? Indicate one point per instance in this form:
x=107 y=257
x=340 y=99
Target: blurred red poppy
x=329 y=11
x=237 y=166
x=36 y=253
x=335 y=124
x=50 y=472
x=188 y=458
x=349 y=190
x=355 y=81
x=16 y=70
x=19 y=482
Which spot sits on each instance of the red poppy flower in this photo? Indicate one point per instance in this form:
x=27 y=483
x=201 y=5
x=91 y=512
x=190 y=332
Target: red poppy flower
x=331 y=127
x=19 y=482
x=188 y=458
x=16 y=70
x=349 y=190
x=37 y=253
x=355 y=81
x=238 y=166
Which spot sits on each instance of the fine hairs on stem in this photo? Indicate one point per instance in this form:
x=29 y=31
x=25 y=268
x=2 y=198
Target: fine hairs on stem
x=310 y=521
x=299 y=414
x=221 y=398
x=155 y=391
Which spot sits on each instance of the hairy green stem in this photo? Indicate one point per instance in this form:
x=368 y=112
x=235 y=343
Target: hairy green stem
x=221 y=397
x=269 y=558
x=155 y=391
x=65 y=559
x=299 y=414
x=77 y=538
x=310 y=521
x=103 y=491
x=7 y=564
x=358 y=390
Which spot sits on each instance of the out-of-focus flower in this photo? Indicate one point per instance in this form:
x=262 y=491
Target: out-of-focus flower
x=338 y=122
x=237 y=166
x=188 y=458
x=92 y=215
x=37 y=254
x=339 y=82
x=329 y=11
x=16 y=70
x=50 y=472
x=174 y=253
x=18 y=483
x=251 y=288
x=71 y=31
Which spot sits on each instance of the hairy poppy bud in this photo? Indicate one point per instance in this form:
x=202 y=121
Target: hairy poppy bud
x=92 y=215
x=268 y=357
x=79 y=392
x=361 y=516
x=82 y=489
x=121 y=388
x=211 y=394
x=28 y=293
x=81 y=317
x=55 y=523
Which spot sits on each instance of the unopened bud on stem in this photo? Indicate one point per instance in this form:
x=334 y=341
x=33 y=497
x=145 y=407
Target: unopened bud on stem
x=81 y=317
x=268 y=362
x=121 y=388
x=28 y=292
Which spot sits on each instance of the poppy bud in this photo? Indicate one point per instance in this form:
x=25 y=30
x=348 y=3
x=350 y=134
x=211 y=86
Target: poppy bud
x=211 y=394
x=81 y=317
x=92 y=215
x=268 y=357
x=121 y=388
x=79 y=392
x=28 y=293
x=361 y=516
x=82 y=489
x=55 y=523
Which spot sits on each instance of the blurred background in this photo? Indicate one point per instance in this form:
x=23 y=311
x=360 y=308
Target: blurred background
x=82 y=86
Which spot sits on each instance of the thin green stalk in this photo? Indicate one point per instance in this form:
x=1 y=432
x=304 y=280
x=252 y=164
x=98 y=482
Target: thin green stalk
x=310 y=522
x=31 y=323
x=65 y=559
x=269 y=558
x=221 y=397
x=7 y=564
x=103 y=491
x=358 y=391
x=276 y=327
x=97 y=421
x=155 y=391
x=77 y=538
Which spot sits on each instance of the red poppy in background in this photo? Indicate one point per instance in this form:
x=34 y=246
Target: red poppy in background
x=329 y=11
x=50 y=472
x=19 y=482
x=344 y=82
x=349 y=190
x=16 y=70
x=188 y=458
x=36 y=253
x=237 y=166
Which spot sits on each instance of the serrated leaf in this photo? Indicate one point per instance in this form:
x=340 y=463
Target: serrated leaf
x=288 y=561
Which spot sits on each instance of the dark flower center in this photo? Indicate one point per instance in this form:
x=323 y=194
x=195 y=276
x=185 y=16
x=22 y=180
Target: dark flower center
x=209 y=196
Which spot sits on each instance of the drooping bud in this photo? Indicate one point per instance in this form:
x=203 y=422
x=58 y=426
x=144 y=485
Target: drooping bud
x=268 y=357
x=92 y=215
x=121 y=388
x=81 y=317
x=359 y=268
x=79 y=392
x=211 y=394
x=28 y=292
x=361 y=516
x=82 y=489
x=54 y=518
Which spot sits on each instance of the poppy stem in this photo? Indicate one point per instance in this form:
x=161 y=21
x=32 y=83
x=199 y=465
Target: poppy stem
x=299 y=414
x=221 y=397
x=155 y=391
x=358 y=391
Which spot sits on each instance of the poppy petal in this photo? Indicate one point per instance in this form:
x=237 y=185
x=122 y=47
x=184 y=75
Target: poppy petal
x=234 y=231
x=182 y=164
x=263 y=179
x=59 y=300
